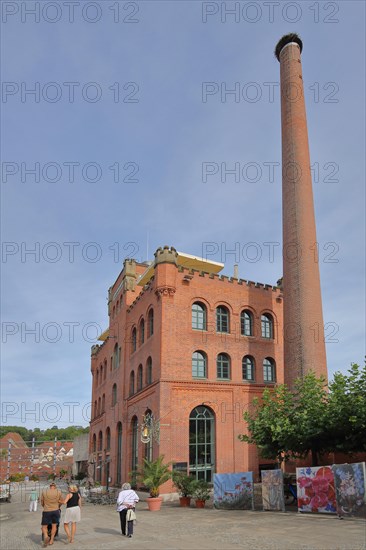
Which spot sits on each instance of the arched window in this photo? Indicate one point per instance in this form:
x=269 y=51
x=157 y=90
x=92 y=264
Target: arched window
x=199 y=364
x=222 y=319
x=223 y=366
x=97 y=378
x=199 y=316
x=267 y=326
x=94 y=443
x=134 y=446
x=101 y=374
x=150 y=323
x=246 y=323
x=132 y=383
x=248 y=368
x=114 y=395
x=103 y=403
x=95 y=409
x=100 y=441
x=142 y=332
x=99 y=406
x=202 y=443
x=149 y=371
x=105 y=369
x=108 y=439
x=119 y=454
x=139 y=378
x=269 y=370
x=116 y=357
x=134 y=339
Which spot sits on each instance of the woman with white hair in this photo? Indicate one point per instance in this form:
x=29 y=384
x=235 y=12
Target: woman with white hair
x=126 y=503
x=72 y=515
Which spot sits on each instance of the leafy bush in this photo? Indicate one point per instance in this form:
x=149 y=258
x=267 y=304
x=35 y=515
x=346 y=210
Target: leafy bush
x=17 y=477
x=202 y=490
x=184 y=483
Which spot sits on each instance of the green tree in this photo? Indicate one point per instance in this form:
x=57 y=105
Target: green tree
x=312 y=418
x=269 y=424
x=62 y=434
x=347 y=410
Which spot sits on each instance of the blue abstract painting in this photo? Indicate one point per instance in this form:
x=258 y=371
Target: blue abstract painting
x=233 y=491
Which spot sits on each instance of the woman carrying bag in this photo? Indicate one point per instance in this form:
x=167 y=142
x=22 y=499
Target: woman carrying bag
x=126 y=503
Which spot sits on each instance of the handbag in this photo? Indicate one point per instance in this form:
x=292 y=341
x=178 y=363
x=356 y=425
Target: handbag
x=130 y=515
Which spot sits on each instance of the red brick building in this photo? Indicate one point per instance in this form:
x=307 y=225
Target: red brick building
x=192 y=348
x=48 y=457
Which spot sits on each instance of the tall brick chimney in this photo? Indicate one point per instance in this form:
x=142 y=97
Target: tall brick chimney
x=304 y=346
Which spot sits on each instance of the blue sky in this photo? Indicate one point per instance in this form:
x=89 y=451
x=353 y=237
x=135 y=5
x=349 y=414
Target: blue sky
x=131 y=91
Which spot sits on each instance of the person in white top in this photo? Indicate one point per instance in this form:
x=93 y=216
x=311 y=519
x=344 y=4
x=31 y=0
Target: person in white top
x=126 y=501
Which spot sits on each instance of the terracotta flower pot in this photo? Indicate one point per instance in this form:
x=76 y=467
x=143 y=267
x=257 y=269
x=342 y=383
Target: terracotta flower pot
x=185 y=501
x=154 y=503
x=200 y=503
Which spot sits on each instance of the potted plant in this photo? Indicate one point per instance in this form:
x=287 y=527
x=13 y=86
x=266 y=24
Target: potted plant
x=153 y=474
x=185 y=485
x=201 y=493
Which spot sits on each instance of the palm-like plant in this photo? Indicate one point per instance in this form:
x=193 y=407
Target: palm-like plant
x=154 y=473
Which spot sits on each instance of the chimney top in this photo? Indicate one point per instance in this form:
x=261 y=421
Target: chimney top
x=286 y=39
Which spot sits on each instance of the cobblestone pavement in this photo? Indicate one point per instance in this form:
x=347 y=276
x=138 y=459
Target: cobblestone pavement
x=175 y=528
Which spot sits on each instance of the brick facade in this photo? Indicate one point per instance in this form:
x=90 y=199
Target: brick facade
x=304 y=342
x=286 y=346
x=173 y=392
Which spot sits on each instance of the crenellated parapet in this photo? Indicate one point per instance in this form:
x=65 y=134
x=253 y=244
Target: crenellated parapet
x=165 y=271
x=166 y=255
x=129 y=275
x=189 y=274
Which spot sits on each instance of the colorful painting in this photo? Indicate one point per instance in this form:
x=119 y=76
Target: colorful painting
x=233 y=491
x=350 y=489
x=272 y=490
x=315 y=490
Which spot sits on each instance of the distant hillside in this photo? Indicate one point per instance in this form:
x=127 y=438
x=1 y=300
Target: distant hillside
x=40 y=436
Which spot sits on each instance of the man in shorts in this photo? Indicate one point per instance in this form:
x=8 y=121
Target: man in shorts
x=50 y=499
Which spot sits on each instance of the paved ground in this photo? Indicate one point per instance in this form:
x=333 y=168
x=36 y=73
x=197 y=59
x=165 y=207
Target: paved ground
x=175 y=528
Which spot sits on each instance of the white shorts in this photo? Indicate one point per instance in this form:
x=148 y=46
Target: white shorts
x=72 y=514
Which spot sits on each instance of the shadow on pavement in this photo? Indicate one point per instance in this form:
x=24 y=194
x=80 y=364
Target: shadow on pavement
x=108 y=531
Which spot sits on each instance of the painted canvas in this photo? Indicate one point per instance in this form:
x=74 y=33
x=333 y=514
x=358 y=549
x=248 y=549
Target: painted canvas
x=272 y=490
x=233 y=491
x=350 y=489
x=315 y=490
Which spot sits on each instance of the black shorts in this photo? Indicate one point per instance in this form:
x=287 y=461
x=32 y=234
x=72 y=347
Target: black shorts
x=50 y=517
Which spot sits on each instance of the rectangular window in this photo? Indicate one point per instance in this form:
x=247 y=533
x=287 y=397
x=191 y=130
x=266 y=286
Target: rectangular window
x=248 y=371
x=222 y=324
x=268 y=374
x=198 y=366
x=223 y=371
